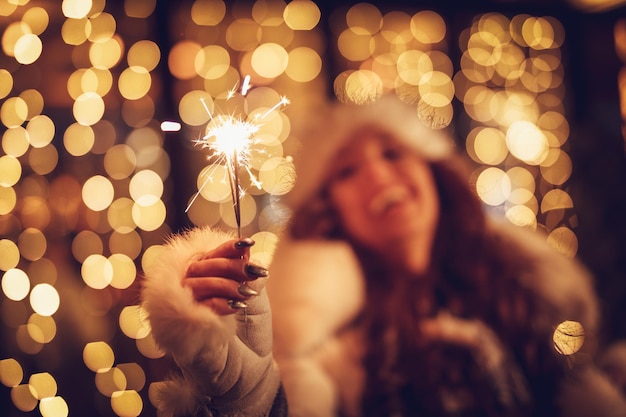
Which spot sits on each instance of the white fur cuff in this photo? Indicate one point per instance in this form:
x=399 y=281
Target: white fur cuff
x=180 y=325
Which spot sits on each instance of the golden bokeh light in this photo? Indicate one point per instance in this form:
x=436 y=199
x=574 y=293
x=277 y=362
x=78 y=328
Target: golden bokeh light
x=522 y=215
x=243 y=34
x=127 y=242
x=98 y=356
x=6 y=82
x=37 y=19
x=23 y=399
x=126 y=403
x=135 y=375
x=110 y=381
x=13 y=112
x=76 y=9
x=10 y=170
x=493 y=186
x=146 y=187
x=139 y=9
x=208 y=12
x=181 y=60
x=192 y=108
x=212 y=183
x=355 y=46
x=526 y=142
x=8 y=200
x=133 y=322
x=12 y=34
x=43 y=160
x=78 y=139
x=44 y=299
x=124 y=271
x=428 y=27
x=568 y=337
x=304 y=64
x=564 y=240
x=149 y=217
x=11 y=372
x=301 y=14
x=102 y=26
x=15 y=141
x=32 y=244
x=15 y=284
x=74 y=31
x=144 y=53
x=148 y=347
x=106 y=54
x=53 y=407
x=134 y=82
x=97 y=271
x=364 y=18
x=277 y=176
x=28 y=48
x=98 y=193
x=42 y=329
x=86 y=243
x=212 y=62
x=248 y=211
x=269 y=60
x=9 y=254
x=88 y=109
x=42 y=385
x=120 y=215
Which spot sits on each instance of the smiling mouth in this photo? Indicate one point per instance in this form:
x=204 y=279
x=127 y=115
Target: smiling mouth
x=387 y=199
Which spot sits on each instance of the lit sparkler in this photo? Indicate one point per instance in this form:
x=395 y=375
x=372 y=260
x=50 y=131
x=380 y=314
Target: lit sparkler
x=229 y=138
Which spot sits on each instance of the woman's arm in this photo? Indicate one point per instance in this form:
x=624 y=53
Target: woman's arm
x=223 y=350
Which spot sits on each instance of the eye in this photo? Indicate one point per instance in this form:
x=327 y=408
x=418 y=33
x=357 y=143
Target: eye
x=344 y=172
x=392 y=154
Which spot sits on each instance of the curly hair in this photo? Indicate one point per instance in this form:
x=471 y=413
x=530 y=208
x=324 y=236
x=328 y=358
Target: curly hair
x=471 y=277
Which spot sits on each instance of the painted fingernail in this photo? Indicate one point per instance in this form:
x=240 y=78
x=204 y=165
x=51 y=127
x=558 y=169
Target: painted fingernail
x=237 y=305
x=256 y=271
x=244 y=243
x=246 y=291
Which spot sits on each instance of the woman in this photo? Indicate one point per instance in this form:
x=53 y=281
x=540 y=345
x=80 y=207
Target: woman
x=392 y=294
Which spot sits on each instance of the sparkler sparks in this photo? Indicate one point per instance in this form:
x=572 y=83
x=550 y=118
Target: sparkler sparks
x=229 y=138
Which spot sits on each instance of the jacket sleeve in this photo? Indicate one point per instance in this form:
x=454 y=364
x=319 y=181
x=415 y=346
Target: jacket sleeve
x=226 y=362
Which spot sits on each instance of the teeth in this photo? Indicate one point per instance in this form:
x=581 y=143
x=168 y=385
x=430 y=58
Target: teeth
x=387 y=198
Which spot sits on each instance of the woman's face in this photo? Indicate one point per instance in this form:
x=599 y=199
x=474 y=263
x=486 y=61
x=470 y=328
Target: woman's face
x=385 y=194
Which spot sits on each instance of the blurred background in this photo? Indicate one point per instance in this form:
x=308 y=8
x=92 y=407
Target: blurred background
x=104 y=108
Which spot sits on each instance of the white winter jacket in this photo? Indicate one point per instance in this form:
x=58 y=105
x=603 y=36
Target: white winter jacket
x=315 y=290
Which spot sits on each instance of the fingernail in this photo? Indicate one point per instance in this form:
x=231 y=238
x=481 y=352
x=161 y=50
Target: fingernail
x=256 y=271
x=246 y=291
x=237 y=305
x=244 y=243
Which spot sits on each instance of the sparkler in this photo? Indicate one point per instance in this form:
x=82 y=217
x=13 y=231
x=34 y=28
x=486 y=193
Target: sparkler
x=229 y=138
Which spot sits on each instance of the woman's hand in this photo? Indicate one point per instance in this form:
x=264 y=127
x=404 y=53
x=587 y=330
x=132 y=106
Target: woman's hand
x=219 y=278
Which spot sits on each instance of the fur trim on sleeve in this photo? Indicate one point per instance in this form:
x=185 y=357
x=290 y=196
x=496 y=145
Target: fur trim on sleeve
x=180 y=325
x=175 y=397
x=315 y=288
